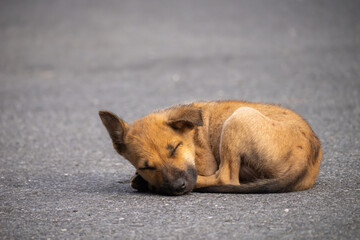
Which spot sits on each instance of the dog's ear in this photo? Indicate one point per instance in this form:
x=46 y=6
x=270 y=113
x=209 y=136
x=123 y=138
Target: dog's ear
x=185 y=117
x=117 y=129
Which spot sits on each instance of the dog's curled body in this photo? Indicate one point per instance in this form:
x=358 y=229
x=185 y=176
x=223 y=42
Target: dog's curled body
x=222 y=146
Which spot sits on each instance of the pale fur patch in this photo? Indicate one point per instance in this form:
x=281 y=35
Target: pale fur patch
x=189 y=158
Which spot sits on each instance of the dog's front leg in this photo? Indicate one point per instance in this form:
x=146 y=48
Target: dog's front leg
x=138 y=183
x=204 y=181
x=228 y=172
x=225 y=175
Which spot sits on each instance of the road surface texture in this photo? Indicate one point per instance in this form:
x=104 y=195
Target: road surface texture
x=62 y=61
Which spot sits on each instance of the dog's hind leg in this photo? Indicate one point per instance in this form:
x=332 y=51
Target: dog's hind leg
x=235 y=142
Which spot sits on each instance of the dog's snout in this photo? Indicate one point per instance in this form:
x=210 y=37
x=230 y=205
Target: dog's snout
x=179 y=185
x=178 y=182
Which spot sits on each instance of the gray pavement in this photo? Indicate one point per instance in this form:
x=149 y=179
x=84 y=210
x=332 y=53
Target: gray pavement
x=62 y=61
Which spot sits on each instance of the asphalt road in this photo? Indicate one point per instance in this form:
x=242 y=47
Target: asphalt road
x=62 y=61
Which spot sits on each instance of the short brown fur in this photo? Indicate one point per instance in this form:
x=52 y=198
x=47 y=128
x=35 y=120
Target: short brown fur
x=223 y=146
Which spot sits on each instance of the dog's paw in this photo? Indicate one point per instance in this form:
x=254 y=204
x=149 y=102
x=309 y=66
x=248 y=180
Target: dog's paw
x=138 y=183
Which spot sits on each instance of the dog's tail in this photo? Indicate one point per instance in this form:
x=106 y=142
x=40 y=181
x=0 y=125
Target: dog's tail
x=285 y=183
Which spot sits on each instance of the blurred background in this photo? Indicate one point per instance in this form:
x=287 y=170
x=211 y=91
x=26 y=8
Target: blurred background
x=62 y=61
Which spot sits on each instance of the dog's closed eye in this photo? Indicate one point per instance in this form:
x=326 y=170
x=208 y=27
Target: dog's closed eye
x=172 y=149
x=147 y=167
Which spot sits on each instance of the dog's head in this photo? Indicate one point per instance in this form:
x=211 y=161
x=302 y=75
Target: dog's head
x=160 y=146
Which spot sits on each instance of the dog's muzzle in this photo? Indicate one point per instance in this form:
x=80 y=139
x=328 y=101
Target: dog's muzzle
x=178 y=182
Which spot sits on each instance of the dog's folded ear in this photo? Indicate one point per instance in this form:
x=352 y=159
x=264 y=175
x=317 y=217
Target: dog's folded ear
x=116 y=128
x=185 y=117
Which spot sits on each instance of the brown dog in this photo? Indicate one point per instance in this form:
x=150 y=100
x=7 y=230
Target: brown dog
x=225 y=146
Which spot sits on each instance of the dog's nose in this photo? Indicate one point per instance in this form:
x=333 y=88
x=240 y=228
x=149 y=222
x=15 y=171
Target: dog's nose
x=179 y=185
